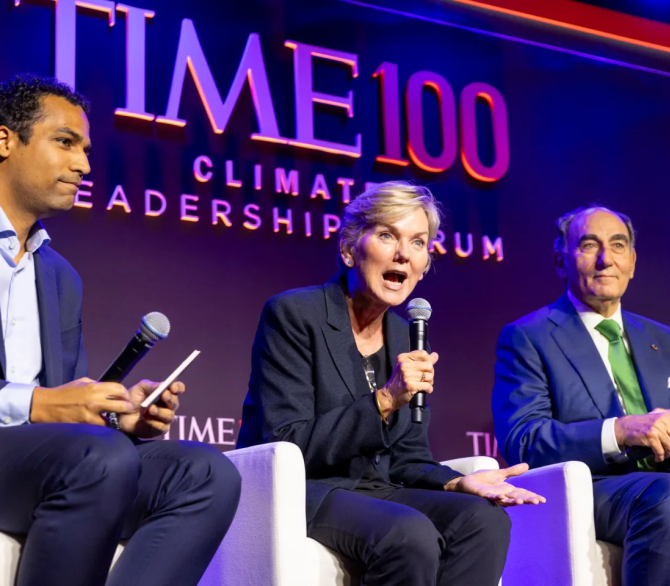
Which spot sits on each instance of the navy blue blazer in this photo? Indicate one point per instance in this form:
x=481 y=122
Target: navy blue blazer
x=59 y=298
x=552 y=389
x=308 y=387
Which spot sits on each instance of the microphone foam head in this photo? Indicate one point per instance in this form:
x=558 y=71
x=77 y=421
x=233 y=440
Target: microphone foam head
x=155 y=326
x=418 y=309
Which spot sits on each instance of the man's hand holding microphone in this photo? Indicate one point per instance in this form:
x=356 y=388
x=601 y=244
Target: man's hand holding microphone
x=97 y=402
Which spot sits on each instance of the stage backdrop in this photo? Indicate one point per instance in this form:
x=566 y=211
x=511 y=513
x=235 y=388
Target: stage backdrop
x=227 y=137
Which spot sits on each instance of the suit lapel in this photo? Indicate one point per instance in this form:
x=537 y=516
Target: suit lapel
x=575 y=342
x=396 y=335
x=47 y=300
x=3 y=357
x=651 y=372
x=340 y=340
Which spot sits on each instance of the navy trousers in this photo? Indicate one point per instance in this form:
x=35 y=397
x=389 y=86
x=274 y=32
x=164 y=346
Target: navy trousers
x=633 y=510
x=406 y=536
x=75 y=491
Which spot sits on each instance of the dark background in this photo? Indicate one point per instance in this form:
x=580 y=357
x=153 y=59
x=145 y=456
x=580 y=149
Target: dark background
x=587 y=123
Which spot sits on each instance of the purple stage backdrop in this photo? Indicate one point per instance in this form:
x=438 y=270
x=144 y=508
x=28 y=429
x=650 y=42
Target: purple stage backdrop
x=227 y=137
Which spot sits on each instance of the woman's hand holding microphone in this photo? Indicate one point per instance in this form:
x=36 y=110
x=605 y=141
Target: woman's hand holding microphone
x=413 y=372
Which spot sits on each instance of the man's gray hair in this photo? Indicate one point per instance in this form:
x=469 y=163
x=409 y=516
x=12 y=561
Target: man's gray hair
x=565 y=221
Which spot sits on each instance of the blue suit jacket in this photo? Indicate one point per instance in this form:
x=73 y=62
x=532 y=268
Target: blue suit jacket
x=308 y=387
x=552 y=390
x=59 y=298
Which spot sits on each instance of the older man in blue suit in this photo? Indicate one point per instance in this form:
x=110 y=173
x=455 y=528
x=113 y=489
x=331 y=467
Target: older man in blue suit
x=581 y=379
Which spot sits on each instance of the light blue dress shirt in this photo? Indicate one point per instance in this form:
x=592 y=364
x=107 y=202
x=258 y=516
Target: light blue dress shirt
x=20 y=322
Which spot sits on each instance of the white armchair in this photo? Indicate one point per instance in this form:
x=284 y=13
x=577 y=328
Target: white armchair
x=555 y=544
x=552 y=545
x=10 y=554
x=267 y=543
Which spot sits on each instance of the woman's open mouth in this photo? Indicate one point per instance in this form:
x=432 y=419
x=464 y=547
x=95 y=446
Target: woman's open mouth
x=394 y=279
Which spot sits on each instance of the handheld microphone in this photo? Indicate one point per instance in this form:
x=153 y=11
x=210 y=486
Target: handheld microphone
x=637 y=453
x=153 y=327
x=418 y=311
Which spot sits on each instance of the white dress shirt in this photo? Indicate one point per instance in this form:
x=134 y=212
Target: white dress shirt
x=591 y=319
x=20 y=317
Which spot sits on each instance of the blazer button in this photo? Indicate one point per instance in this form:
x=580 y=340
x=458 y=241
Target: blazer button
x=377 y=459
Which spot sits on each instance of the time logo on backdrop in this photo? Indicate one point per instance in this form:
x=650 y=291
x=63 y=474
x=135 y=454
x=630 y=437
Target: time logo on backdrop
x=456 y=113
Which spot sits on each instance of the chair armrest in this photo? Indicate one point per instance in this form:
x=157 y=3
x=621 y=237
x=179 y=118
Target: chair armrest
x=472 y=464
x=267 y=541
x=555 y=543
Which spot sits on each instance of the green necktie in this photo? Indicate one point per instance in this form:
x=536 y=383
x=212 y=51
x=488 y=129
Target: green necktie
x=625 y=376
x=623 y=368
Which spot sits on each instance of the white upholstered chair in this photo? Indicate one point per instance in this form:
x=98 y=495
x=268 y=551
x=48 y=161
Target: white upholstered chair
x=555 y=544
x=10 y=553
x=267 y=544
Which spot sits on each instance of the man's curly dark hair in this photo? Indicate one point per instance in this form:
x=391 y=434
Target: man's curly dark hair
x=21 y=105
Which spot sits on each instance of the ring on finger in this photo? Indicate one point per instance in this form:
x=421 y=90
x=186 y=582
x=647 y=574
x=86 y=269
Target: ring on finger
x=423 y=377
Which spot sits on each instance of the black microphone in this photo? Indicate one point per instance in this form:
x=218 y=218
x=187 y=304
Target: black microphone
x=418 y=311
x=153 y=327
x=637 y=453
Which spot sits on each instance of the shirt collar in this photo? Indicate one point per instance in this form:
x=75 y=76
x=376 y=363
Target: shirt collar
x=591 y=318
x=37 y=236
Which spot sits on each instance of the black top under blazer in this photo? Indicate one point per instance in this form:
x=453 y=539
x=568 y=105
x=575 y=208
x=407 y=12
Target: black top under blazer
x=308 y=387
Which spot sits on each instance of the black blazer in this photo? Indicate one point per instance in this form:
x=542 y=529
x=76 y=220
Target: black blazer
x=308 y=387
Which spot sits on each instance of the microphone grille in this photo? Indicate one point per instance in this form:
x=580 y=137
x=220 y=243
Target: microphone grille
x=155 y=326
x=418 y=309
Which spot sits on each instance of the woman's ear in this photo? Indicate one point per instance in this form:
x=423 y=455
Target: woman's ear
x=347 y=257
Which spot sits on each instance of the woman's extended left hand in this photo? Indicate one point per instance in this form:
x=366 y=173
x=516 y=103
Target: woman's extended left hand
x=491 y=485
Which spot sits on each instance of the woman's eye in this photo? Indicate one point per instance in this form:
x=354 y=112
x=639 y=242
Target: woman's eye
x=420 y=243
x=385 y=235
x=65 y=141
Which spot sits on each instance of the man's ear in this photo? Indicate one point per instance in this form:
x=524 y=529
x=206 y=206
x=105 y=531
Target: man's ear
x=633 y=261
x=559 y=264
x=7 y=138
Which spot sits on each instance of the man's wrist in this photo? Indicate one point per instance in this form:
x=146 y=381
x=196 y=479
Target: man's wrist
x=619 y=432
x=37 y=404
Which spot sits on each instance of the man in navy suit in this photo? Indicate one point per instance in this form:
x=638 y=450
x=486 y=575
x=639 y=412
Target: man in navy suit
x=72 y=487
x=583 y=380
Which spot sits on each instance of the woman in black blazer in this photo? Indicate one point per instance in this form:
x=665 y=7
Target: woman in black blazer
x=331 y=372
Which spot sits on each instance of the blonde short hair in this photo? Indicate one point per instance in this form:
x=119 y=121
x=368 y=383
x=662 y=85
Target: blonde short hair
x=386 y=203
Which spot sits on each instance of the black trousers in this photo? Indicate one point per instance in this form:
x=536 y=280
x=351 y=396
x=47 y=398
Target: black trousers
x=75 y=491
x=633 y=510
x=405 y=536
